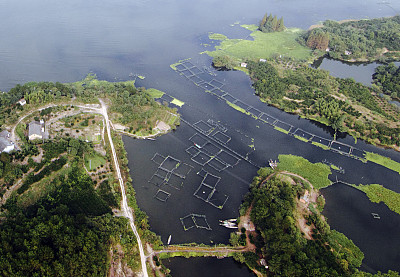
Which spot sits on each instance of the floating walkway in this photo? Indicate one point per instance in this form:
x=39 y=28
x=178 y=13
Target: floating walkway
x=207 y=81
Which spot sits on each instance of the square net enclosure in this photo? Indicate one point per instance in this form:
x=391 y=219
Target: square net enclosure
x=158 y=159
x=169 y=163
x=162 y=195
x=203 y=192
x=156 y=180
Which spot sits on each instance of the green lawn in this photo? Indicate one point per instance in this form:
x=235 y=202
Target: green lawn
x=93 y=161
x=316 y=173
x=384 y=161
x=264 y=45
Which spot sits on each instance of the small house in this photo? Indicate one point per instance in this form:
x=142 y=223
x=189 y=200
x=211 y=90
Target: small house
x=22 y=102
x=37 y=130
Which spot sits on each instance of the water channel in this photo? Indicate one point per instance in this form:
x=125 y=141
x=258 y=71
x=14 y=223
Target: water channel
x=119 y=39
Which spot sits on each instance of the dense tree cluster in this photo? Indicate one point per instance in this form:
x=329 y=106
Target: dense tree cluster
x=224 y=63
x=318 y=39
x=66 y=233
x=271 y=24
x=362 y=40
x=317 y=95
x=387 y=77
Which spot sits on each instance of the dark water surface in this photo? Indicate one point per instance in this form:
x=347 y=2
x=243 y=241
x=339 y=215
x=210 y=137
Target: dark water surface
x=52 y=41
x=210 y=267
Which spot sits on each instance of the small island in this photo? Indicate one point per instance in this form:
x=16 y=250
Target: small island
x=281 y=219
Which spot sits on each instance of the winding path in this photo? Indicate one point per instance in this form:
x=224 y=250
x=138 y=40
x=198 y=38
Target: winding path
x=124 y=207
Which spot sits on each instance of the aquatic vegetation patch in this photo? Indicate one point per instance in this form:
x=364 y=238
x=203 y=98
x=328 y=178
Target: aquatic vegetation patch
x=155 y=93
x=384 y=161
x=236 y=107
x=281 y=130
x=264 y=45
x=377 y=193
x=177 y=102
x=316 y=173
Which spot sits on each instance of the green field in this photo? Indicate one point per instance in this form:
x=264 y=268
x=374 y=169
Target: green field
x=93 y=161
x=264 y=45
x=316 y=173
x=377 y=193
x=384 y=161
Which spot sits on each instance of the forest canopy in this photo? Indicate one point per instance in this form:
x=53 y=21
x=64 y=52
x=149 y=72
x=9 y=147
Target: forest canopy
x=362 y=40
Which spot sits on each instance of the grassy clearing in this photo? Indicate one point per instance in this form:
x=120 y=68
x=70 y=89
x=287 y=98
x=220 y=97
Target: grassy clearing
x=264 y=45
x=320 y=145
x=316 y=173
x=177 y=102
x=41 y=188
x=281 y=130
x=155 y=93
x=377 y=193
x=94 y=161
x=384 y=161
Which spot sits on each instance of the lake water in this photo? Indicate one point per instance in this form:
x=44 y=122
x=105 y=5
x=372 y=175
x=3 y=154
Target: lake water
x=46 y=40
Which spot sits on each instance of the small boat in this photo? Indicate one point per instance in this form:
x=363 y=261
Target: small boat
x=229 y=223
x=169 y=239
x=273 y=164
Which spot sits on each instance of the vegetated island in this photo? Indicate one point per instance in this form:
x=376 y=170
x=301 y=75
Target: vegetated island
x=60 y=194
x=281 y=217
x=277 y=63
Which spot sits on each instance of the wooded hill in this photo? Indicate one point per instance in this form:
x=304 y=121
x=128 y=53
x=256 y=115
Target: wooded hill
x=343 y=104
x=362 y=40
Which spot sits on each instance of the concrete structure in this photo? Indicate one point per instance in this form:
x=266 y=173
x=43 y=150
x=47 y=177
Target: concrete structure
x=37 y=130
x=5 y=144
